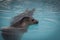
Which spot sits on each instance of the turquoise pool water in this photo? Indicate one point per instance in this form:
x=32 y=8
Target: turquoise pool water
x=47 y=13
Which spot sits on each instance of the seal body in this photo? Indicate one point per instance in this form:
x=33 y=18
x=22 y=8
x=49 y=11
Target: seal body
x=19 y=26
x=12 y=34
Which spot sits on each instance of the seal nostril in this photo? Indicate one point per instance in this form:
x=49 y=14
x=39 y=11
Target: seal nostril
x=36 y=22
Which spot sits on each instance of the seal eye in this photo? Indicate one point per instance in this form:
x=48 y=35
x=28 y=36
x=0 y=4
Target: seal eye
x=32 y=19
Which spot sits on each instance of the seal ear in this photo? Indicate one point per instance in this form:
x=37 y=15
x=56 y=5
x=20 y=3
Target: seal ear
x=26 y=10
x=32 y=11
x=29 y=12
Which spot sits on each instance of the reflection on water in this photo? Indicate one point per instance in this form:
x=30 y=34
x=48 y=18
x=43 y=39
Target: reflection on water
x=47 y=13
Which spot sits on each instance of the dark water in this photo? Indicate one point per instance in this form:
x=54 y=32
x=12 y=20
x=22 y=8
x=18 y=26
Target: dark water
x=47 y=13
